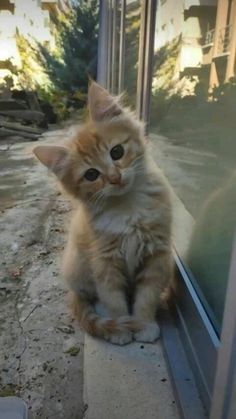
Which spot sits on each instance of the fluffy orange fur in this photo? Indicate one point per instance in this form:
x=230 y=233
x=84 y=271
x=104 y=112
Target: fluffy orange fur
x=119 y=247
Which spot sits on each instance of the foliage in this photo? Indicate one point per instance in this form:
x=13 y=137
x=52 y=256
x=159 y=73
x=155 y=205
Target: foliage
x=31 y=75
x=165 y=62
x=60 y=75
x=225 y=92
x=163 y=96
x=201 y=121
x=75 y=57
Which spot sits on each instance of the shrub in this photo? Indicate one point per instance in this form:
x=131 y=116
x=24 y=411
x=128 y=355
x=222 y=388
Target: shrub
x=60 y=76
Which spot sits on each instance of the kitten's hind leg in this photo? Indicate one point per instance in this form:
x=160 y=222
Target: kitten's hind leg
x=150 y=284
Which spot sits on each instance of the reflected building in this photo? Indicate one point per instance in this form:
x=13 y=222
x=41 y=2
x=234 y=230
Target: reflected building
x=219 y=49
x=206 y=30
x=187 y=21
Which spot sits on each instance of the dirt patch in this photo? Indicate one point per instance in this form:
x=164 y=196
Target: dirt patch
x=36 y=330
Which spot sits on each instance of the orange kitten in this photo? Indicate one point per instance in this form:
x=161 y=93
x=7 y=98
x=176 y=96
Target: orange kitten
x=119 y=246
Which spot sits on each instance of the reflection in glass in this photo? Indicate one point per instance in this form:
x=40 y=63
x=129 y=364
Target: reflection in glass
x=133 y=12
x=211 y=244
x=193 y=129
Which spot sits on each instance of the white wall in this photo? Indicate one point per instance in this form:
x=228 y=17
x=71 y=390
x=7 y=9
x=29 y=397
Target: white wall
x=169 y=21
x=31 y=21
x=8 y=48
x=189 y=3
x=170 y=24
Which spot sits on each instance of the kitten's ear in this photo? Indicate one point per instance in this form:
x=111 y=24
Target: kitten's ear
x=101 y=104
x=54 y=157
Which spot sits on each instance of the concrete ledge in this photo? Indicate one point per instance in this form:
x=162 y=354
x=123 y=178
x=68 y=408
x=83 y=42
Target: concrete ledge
x=129 y=382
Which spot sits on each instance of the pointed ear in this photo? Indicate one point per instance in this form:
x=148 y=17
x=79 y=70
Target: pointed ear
x=101 y=104
x=54 y=157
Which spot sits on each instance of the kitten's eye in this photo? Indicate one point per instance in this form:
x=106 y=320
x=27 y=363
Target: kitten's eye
x=117 y=152
x=91 y=174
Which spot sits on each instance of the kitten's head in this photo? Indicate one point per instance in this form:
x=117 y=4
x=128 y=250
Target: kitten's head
x=106 y=156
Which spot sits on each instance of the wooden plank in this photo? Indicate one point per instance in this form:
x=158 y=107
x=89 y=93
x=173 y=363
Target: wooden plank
x=26 y=115
x=8 y=133
x=11 y=104
x=18 y=127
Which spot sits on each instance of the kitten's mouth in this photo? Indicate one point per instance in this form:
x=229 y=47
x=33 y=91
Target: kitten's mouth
x=122 y=184
x=119 y=184
x=120 y=188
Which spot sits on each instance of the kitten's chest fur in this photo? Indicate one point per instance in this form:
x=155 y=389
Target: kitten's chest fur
x=137 y=223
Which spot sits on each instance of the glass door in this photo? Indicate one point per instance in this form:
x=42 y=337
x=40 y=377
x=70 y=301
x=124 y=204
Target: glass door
x=193 y=135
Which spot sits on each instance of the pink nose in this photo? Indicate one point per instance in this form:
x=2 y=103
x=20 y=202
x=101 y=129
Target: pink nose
x=114 y=179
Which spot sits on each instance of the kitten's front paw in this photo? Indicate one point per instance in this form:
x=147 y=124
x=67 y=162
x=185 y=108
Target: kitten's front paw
x=120 y=339
x=150 y=333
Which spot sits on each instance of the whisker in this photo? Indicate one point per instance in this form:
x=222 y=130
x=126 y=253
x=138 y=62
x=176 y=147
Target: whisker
x=98 y=199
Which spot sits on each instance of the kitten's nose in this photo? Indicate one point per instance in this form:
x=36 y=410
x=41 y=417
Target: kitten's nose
x=114 y=178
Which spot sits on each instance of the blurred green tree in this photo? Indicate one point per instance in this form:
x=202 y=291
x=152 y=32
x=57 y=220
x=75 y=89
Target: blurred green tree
x=75 y=56
x=60 y=74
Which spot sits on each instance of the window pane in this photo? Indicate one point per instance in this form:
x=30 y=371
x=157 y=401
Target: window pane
x=133 y=11
x=193 y=129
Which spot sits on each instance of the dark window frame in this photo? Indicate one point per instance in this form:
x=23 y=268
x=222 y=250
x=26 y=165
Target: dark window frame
x=197 y=332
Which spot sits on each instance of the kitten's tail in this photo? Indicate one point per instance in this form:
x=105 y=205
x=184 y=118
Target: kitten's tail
x=99 y=326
